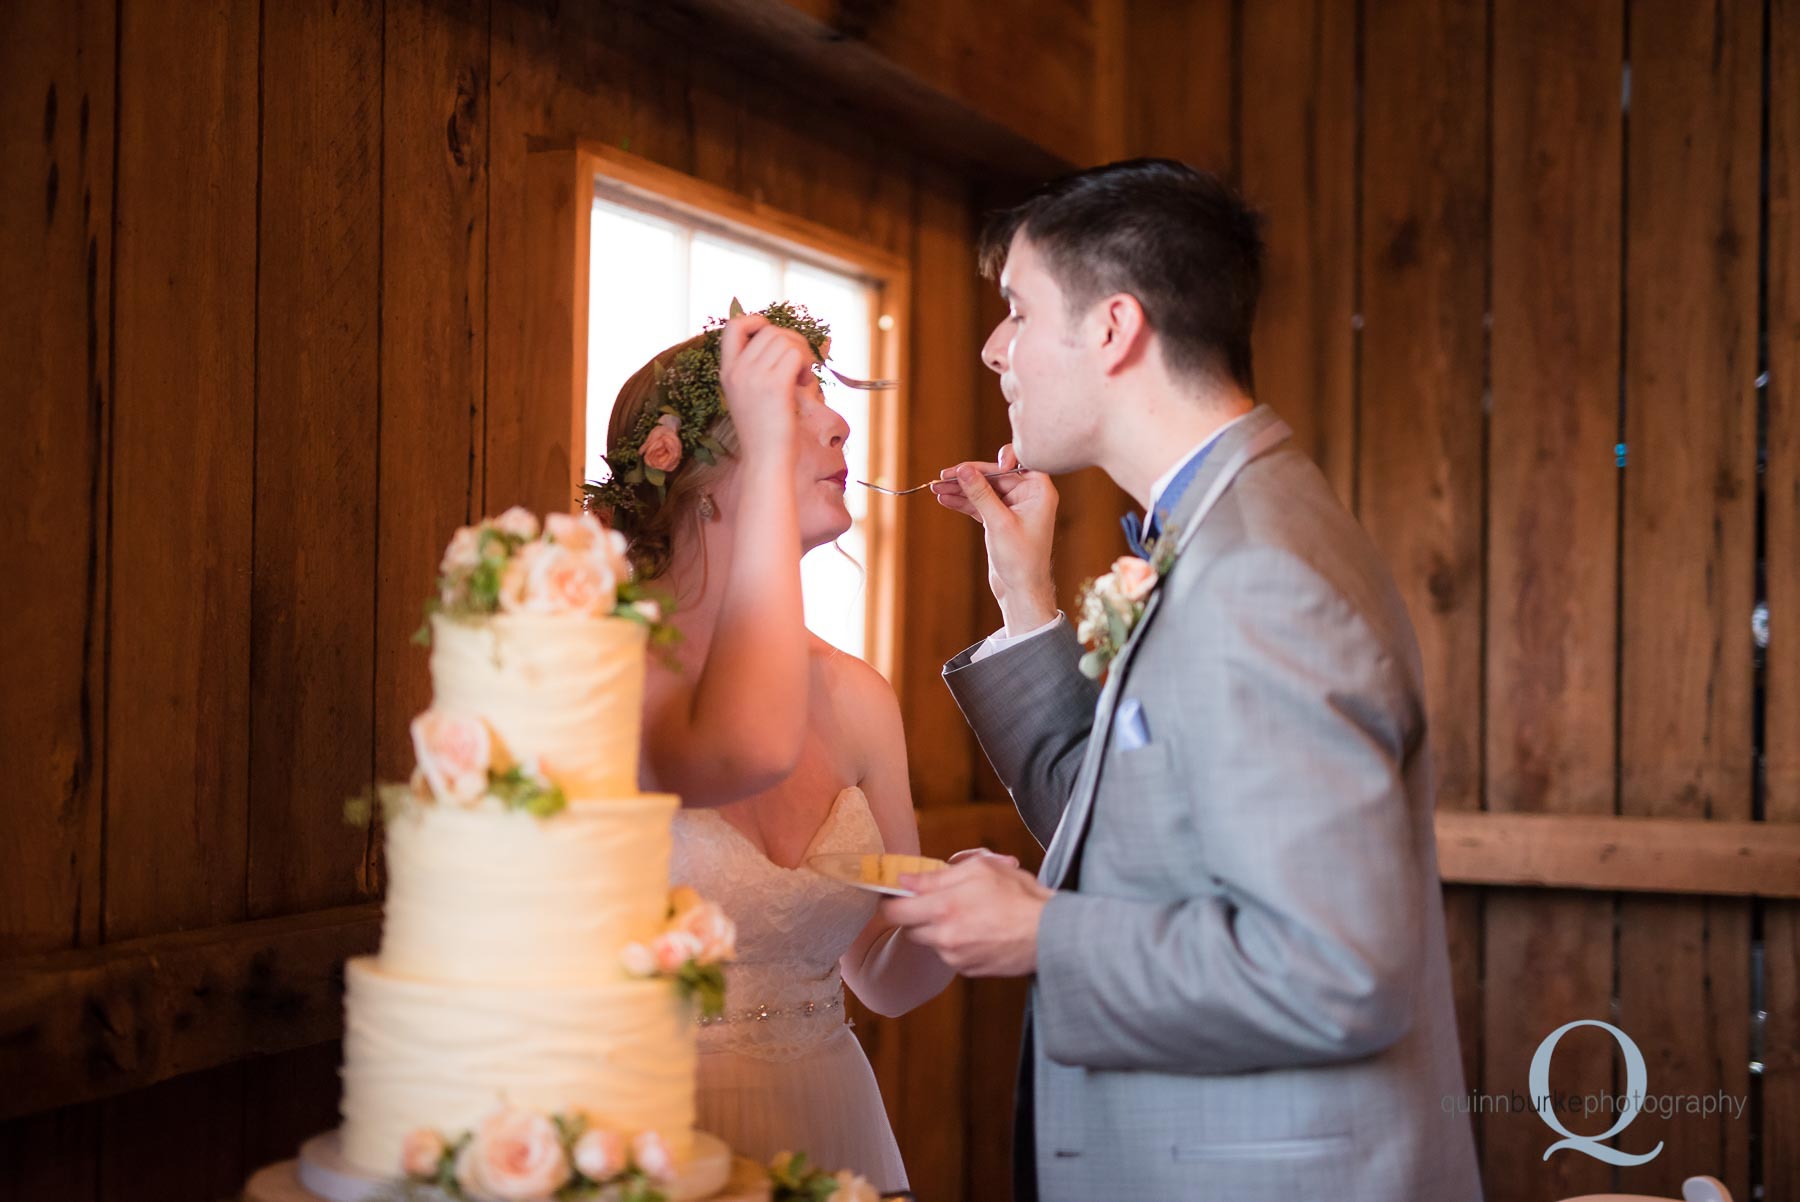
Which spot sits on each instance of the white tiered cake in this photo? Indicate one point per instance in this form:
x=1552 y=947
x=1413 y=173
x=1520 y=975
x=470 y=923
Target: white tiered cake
x=500 y=978
x=528 y=1023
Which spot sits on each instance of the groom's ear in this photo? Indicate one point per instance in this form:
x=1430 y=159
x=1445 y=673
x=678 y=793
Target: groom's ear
x=1121 y=331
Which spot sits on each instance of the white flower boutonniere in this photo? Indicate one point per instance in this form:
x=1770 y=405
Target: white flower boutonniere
x=1111 y=606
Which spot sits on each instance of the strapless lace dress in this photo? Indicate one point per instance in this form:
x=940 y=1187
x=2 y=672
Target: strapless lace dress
x=781 y=1070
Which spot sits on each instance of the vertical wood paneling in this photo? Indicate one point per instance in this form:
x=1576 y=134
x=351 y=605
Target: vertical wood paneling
x=1781 y=542
x=1180 y=62
x=1423 y=252
x=183 y=434
x=433 y=332
x=56 y=204
x=1689 y=546
x=1552 y=550
x=1298 y=152
x=318 y=404
x=940 y=545
x=180 y=1141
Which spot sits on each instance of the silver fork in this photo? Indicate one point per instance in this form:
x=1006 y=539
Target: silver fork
x=864 y=385
x=901 y=492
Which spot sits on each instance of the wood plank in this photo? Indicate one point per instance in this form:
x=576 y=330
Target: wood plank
x=288 y=1099
x=1298 y=165
x=939 y=545
x=433 y=333
x=1689 y=547
x=1781 y=673
x=179 y=1141
x=56 y=207
x=94 y=1022
x=52 y=1155
x=1421 y=251
x=1552 y=568
x=1641 y=855
x=318 y=408
x=184 y=337
x=1181 y=67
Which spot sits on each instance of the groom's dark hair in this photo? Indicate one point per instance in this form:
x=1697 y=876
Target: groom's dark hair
x=1181 y=241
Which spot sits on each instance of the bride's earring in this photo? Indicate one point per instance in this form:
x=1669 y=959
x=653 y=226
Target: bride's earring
x=707 y=510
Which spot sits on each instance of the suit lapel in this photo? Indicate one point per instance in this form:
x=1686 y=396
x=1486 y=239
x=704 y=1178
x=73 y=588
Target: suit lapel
x=1258 y=433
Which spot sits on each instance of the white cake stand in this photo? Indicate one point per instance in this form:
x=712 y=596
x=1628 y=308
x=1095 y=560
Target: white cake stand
x=321 y=1174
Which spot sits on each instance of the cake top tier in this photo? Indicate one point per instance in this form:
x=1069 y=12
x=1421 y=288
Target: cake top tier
x=538 y=636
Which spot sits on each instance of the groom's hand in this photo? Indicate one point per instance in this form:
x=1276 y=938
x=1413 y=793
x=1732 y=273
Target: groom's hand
x=979 y=915
x=1018 y=517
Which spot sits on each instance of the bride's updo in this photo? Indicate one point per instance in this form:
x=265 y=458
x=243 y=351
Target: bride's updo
x=651 y=524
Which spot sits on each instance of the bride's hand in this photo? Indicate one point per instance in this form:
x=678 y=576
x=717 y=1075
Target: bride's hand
x=759 y=365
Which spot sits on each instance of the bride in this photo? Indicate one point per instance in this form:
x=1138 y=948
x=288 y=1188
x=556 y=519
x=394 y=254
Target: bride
x=780 y=745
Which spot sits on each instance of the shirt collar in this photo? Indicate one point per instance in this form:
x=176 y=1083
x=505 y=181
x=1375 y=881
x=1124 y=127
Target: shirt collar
x=1162 y=481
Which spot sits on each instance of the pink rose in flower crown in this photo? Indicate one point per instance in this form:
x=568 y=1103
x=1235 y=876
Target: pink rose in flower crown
x=601 y=1155
x=454 y=752
x=650 y=1152
x=420 y=1153
x=673 y=949
x=662 y=446
x=515 y=1156
x=712 y=929
x=519 y=522
x=1133 y=577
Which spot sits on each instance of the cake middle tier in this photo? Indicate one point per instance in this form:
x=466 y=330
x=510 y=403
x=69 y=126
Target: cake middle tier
x=422 y=1054
x=484 y=895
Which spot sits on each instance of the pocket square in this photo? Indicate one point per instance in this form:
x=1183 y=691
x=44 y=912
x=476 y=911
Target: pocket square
x=1129 y=729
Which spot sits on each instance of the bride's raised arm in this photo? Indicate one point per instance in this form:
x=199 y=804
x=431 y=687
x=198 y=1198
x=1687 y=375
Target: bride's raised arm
x=732 y=725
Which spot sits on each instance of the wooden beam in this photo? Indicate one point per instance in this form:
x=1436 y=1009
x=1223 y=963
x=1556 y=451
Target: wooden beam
x=87 y=1024
x=1023 y=104
x=1639 y=855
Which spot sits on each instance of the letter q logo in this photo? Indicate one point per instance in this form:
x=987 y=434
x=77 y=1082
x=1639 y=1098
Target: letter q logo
x=1636 y=1078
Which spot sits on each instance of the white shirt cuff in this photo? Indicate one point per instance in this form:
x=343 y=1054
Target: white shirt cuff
x=1000 y=640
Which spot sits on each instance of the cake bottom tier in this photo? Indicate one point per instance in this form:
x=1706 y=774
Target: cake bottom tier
x=441 y=1056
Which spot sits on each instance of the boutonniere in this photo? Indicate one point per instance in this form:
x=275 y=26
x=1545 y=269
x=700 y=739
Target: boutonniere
x=1112 y=605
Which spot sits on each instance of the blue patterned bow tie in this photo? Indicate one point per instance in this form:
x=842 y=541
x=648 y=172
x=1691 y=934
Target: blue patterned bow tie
x=1139 y=537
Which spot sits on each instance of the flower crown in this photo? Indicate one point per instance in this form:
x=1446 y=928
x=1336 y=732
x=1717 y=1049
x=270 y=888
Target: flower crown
x=684 y=415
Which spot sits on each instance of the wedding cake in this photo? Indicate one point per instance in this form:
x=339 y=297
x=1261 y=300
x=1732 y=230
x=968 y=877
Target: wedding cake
x=528 y=1024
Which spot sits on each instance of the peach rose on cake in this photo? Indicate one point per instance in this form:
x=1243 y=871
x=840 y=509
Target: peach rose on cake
x=1133 y=578
x=711 y=928
x=454 y=752
x=662 y=446
x=515 y=1156
x=548 y=578
x=672 y=949
x=463 y=554
x=851 y=1188
x=639 y=959
x=421 y=1152
x=600 y=1155
x=584 y=533
x=650 y=1152
x=519 y=522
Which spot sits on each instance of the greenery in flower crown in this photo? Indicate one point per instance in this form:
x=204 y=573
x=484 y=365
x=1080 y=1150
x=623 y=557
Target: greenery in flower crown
x=792 y=1179
x=689 y=390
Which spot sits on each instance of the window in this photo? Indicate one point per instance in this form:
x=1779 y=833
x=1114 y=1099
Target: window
x=658 y=272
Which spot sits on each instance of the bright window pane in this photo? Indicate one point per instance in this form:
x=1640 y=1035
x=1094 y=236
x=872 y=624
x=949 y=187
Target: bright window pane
x=722 y=270
x=637 y=305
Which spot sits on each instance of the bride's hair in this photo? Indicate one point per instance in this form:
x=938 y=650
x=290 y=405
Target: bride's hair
x=652 y=527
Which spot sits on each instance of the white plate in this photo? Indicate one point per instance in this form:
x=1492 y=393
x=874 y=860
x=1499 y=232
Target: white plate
x=845 y=867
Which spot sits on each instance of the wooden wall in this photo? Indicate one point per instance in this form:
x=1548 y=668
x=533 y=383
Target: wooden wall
x=264 y=346
x=1504 y=239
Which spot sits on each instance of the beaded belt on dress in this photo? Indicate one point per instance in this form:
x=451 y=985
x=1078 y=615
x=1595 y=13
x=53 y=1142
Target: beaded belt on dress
x=807 y=1008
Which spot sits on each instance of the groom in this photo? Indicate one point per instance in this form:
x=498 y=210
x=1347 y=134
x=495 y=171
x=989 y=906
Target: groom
x=1240 y=988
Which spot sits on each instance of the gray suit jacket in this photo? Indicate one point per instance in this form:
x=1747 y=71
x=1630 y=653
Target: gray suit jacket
x=1243 y=989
